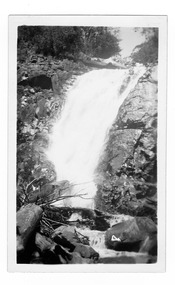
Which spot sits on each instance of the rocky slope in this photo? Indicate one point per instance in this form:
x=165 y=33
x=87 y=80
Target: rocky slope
x=127 y=170
x=42 y=83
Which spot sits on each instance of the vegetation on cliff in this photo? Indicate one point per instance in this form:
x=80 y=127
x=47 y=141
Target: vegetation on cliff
x=147 y=52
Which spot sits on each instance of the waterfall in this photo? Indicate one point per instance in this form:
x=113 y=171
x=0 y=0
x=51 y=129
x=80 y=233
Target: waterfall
x=78 y=136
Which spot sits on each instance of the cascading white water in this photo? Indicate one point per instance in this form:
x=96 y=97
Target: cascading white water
x=78 y=137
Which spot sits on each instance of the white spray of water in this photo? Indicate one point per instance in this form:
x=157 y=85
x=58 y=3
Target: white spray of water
x=78 y=137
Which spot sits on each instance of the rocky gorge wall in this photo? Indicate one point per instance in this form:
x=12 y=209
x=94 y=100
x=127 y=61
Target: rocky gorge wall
x=127 y=171
x=42 y=83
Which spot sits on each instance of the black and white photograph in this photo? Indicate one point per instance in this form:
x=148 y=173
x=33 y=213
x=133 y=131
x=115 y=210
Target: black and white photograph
x=88 y=139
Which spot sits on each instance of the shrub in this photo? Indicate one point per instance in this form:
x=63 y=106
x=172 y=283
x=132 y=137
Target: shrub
x=147 y=52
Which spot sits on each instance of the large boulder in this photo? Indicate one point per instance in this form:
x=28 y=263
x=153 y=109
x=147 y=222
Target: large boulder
x=28 y=218
x=131 y=234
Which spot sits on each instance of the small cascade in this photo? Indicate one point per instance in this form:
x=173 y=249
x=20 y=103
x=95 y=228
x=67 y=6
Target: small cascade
x=97 y=242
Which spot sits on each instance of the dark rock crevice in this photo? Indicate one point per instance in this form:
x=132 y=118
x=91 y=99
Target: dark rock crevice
x=40 y=80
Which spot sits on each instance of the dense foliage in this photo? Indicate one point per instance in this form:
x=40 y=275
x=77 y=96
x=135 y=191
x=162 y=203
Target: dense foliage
x=147 y=52
x=62 y=41
x=99 y=42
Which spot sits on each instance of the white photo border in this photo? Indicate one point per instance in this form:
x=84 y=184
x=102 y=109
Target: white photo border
x=87 y=20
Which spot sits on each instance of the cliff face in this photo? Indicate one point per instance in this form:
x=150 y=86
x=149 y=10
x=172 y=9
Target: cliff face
x=127 y=170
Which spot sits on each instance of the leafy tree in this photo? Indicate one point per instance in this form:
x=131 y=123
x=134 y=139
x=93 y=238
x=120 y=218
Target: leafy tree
x=63 y=40
x=100 y=42
x=147 y=52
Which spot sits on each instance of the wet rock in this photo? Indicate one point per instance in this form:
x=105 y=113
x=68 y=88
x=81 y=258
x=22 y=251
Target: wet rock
x=86 y=251
x=150 y=245
x=67 y=236
x=121 y=145
x=139 y=106
x=68 y=232
x=28 y=218
x=77 y=259
x=131 y=234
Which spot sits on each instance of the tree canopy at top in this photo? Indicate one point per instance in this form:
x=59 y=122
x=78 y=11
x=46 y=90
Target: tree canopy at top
x=60 y=40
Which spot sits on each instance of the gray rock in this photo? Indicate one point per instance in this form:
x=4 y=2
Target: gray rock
x=43 y=242
x=77 y=259
x=67 y=232
x=86 y=251
x=129 y=235
x=27 y=219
